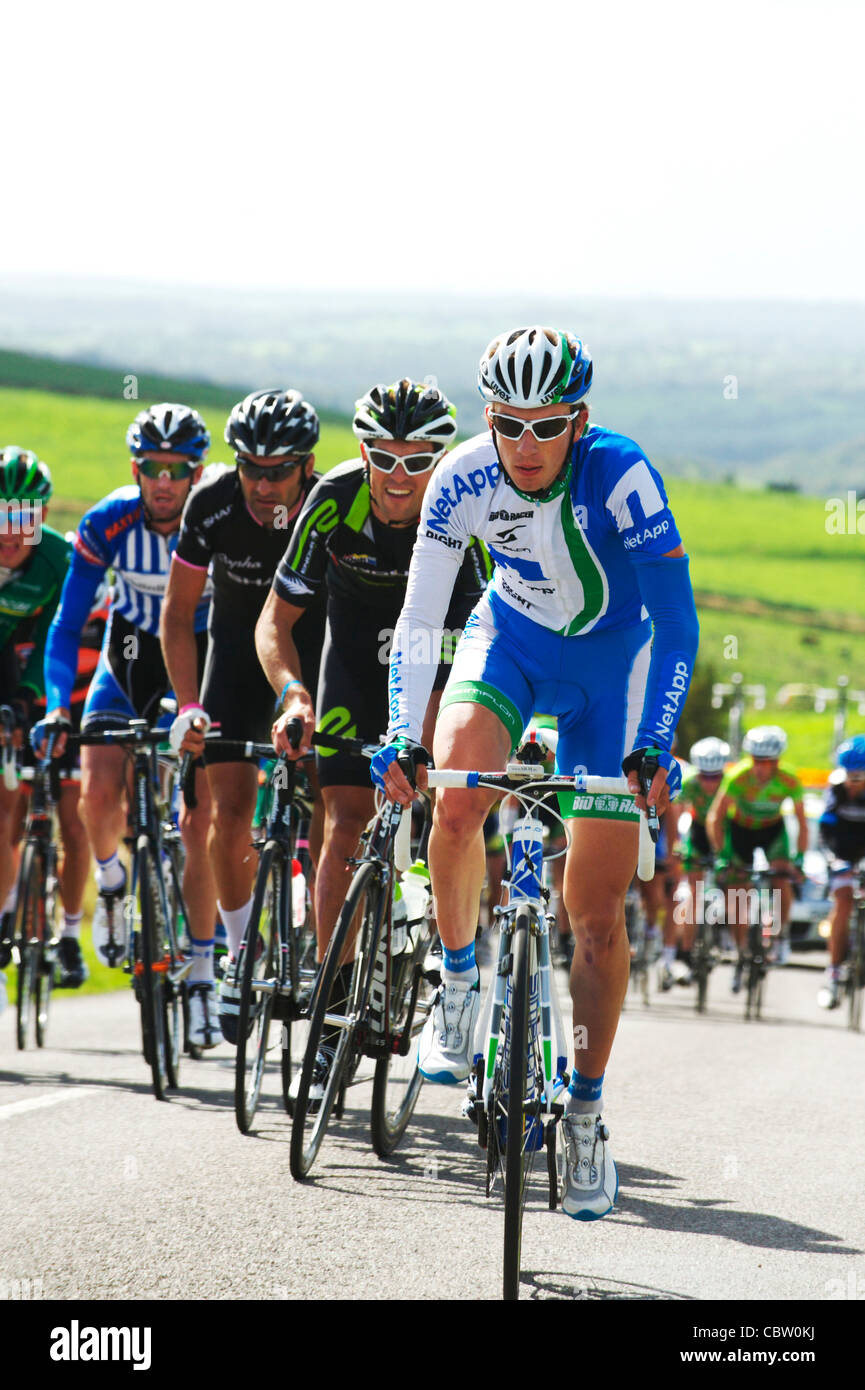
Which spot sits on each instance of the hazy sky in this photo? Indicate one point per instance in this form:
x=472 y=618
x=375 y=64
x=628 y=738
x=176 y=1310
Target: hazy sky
x=616 y=149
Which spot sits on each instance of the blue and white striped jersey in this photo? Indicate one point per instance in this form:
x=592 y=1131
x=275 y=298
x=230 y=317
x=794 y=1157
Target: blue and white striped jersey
x=113 y=534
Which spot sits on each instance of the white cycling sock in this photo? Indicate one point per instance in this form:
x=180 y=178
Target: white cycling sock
x=72 y=924
x=11 y=900
x=202 y=961
x=234 y=921
x=110 y=873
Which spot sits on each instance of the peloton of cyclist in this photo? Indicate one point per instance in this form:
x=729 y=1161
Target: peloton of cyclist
x=589 y=616
x=842 y=833
x=33 y=563
x=699 y=788
x=746 y=815
x=355 y=539
x=133 y=532
x=236 y=526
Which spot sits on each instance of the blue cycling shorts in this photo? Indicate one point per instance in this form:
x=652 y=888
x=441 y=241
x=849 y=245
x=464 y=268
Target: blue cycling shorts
x=595 y=685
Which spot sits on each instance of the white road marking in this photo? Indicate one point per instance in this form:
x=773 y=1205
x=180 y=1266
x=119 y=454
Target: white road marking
x=20 y=1107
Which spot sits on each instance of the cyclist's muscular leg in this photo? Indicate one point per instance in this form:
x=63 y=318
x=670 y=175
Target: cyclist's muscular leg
x=8 y=835
x=785 y=888
x=600 y=865
x=839 y=920
x=347 y=811
x=472 y=737
x=199 y=888
x=102 y=805
x=76 y=851
x=233 y=789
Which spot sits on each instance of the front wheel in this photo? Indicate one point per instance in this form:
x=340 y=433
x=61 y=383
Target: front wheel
x=398 y=1078
x=28 y=933
x=311 y=1114
x=151 y=968
x=260 y=963
x=856 y=978
x=520 y=1129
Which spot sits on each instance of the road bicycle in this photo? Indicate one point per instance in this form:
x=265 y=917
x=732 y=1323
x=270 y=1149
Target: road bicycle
x=37 y=906
x=762 y=939
x=388 y=987
x=641 y=958
x=703 y=953
x=516 y=1093
x=276 y=963
x=154 y=909
x=856 y=954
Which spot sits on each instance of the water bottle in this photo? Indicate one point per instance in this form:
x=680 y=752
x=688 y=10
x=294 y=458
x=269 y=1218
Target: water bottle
x=399 y=922
x=527 y=856
x=414 y=884
x=299 y=895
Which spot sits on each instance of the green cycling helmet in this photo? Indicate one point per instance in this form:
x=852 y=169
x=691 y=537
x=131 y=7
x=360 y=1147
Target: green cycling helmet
x=23 y=477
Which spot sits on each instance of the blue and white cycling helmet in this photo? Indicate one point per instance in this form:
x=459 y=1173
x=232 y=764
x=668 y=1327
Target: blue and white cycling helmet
x=709 y=755
x=851 y=755
x=766 y=741
x=535 y=366
x=169 y=428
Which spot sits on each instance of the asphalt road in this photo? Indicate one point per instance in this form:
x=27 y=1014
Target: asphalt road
x=740 y=1152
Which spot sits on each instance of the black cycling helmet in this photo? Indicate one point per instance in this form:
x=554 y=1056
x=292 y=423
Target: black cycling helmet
x=23 y=477
x=406 y=410
x=169 y=428
x=269 y=423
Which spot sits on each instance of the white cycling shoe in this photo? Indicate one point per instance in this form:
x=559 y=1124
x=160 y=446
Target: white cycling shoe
x=591 y=1183
x=204 y=1029
x=109 y=926
x=445 y=1047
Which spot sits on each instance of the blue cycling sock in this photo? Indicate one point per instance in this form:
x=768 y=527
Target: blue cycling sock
x=460 y=967
x=584 y=1093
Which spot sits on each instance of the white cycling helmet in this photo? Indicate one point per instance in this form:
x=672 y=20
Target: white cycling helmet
x=535 y=366
x=709 y=754
x=767 y=741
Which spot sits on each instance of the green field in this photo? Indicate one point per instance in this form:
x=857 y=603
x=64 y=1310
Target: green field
x=781 y=599
x=83 y=441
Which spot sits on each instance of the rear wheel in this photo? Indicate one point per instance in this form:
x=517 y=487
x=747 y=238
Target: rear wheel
x=398 y=1079
x=259 y=963
x=311 y=1115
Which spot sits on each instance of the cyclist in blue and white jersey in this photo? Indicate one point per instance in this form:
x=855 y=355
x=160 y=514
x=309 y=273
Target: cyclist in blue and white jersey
x=589 y=616
x=133 y=531
x=842 y=833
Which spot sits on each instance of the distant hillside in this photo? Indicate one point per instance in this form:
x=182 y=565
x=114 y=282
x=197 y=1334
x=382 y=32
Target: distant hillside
x=29 y=372
x=749 y=391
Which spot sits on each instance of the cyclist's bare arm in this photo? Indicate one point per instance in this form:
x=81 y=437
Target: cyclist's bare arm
x=177 y=630
x=715 y=820
x=274 y=643
x=799 y=808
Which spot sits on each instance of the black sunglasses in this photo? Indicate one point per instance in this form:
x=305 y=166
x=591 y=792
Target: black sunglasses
x=274 y=471
x=156 y=468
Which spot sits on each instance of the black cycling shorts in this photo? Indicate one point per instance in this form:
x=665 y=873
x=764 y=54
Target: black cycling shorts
x=353 y=694
x=237 y=694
